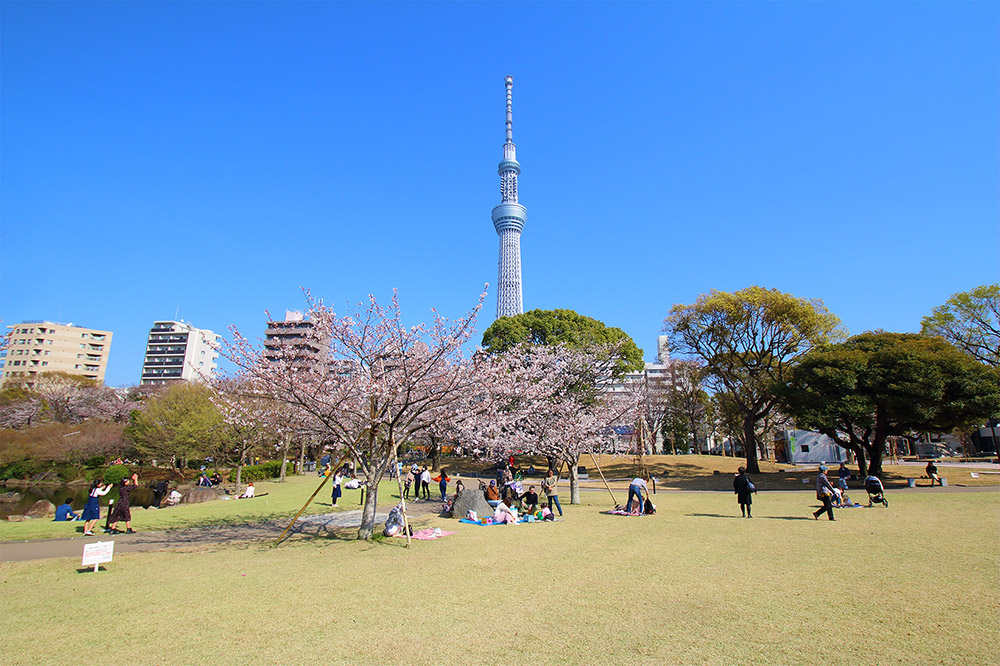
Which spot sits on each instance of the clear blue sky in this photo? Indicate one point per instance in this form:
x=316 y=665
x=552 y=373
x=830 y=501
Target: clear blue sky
x=216 y=157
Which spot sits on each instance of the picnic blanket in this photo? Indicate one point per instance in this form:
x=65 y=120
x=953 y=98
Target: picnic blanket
x=520 y=520
x=620 y=512
x=426 y=535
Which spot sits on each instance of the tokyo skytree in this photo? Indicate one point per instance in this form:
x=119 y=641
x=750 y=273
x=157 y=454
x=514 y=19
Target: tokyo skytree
x=508 y=219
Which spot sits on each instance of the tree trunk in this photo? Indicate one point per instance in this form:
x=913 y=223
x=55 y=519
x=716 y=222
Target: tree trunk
x=859 y=454
x=301 y=469
x=367 y=527
x=284 y=459
x=435 y=454
x=574 y=480
x=553 y=461
x=750 y=444
x=239 y=471
x=875 y=450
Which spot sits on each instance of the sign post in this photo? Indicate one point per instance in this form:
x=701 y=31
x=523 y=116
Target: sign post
x=97 y=553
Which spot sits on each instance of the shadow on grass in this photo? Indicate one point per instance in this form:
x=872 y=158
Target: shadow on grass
x=719 y=515
x=85 y=570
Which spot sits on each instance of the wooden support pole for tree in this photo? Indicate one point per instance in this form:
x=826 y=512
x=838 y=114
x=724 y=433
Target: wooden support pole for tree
x=402 y=500
x=606 y=485
x=326 y=477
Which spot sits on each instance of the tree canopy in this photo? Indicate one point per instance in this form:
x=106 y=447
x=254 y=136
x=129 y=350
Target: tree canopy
x=562 y=327
x=970 y=320
x=748 y=340
x=879 y=384
x=179 y=421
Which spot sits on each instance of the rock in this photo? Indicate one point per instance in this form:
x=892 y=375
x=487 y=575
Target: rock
x=10 y=497
x=198 y=495
x=470 y=498
x=18 y=519
x=40 y=509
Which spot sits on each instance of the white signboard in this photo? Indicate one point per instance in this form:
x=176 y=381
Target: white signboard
x=97 y=553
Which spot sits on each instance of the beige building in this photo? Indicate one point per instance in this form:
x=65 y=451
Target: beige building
x=38 y=347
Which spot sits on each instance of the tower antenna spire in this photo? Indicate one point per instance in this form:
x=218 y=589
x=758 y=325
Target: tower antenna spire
x=508 y=220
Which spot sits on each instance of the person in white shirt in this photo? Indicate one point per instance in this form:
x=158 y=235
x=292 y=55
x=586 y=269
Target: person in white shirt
x=636 y=488
x=248 y=493
x=425 y=483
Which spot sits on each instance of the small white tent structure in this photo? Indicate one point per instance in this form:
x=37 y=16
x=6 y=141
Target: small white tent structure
x=805 y=447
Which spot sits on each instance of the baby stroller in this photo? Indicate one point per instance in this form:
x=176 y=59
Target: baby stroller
x=876 y=492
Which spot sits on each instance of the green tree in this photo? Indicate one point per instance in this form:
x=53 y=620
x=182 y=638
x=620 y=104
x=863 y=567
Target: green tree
x=970 y=320
x=748 y=340
x=554 y=327
x=180 y=422
x=876 y=385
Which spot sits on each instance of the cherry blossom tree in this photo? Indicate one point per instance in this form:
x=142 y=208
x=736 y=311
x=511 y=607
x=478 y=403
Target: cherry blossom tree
x=372 y=385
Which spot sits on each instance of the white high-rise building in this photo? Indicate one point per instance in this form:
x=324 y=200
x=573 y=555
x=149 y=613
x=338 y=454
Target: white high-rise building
x=508 y=220
x=177 y=350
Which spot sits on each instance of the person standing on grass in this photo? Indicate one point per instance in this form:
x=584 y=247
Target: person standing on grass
x=443 y=480
x=122 y=510
x=636 y=488
x=425 y=483
x=743 y=489
x=824 y=493
x=337 y=492
x=407 y=482
x=92 y=509
x=549 y=487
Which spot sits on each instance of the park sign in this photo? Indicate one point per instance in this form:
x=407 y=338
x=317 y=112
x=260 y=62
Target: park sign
x=98 y=553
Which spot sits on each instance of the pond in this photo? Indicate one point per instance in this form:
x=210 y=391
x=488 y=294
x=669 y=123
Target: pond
x=57 y=494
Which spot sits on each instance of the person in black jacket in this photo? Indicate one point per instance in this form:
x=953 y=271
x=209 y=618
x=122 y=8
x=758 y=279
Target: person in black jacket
x=743 y=489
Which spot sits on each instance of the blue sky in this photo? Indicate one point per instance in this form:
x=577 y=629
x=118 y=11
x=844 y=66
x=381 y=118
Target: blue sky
x=212 y=158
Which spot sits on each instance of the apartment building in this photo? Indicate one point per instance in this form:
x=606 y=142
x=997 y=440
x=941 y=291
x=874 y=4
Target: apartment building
x=37 y=347
x=297 y=340
x=178 y=351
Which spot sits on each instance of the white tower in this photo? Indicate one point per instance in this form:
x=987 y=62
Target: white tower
x=508 y=219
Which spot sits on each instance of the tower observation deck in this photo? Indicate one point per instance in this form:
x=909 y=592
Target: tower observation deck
x=508 y=219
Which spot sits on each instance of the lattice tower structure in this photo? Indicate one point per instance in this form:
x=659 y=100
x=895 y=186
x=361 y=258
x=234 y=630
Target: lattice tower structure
x=508 y=219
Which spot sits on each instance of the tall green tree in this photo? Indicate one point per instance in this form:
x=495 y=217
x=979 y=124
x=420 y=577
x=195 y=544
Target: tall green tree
x=880 y=384
x=180 y=421
x=970 y=320
x=563 y=327
x=749 y=340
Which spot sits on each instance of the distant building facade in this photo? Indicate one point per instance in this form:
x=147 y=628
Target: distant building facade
x=178 y=351
x=38 y=347
x=296 y=339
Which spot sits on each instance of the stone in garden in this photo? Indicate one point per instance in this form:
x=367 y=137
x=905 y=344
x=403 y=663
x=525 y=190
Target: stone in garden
x=17 y=519
x=198 y=495
x=470 y=498
x=40 y=509
x=10 y=497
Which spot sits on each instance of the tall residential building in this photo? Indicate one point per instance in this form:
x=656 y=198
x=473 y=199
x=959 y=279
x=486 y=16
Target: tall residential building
x=37 y=347
x=508 y=219
x=178 y=351
x=297 y=339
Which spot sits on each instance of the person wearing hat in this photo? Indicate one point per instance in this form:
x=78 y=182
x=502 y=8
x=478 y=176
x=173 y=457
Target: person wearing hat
x=824 y=493
x=492 y=494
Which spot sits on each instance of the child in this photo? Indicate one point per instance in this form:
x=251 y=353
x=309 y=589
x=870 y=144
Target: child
x=64 y=511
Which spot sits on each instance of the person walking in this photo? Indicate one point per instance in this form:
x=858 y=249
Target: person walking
x=337 y=492
x=92 y=509
x=122 y=510
x=443 y=480
x=549 y=487
x=743 y=488
x=824 y=493
x=425 y=483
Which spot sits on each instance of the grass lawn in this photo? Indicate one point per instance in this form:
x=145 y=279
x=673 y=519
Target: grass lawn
x=282 y=502
x=912 y=584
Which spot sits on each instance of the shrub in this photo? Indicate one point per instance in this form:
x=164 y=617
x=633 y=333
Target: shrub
x=116 y=473
x=93 y=462
x=268 y=470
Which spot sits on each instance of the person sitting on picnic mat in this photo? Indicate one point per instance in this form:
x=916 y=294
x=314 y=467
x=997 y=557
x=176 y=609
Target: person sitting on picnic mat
x=529 y=500
x=492 y=494
x=505 y=514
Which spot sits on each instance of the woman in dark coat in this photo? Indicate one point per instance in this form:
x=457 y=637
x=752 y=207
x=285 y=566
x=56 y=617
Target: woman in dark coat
x=122 y=510
x=743 y=489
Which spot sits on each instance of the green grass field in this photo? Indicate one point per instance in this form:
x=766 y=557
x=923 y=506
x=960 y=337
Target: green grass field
x=912 y=584
x=282 y=502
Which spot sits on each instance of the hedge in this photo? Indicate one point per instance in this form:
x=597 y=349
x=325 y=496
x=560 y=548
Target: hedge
x=268 y=470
